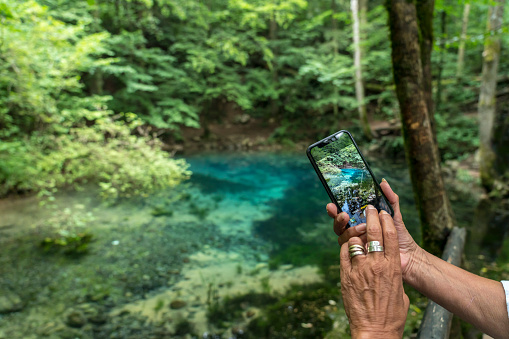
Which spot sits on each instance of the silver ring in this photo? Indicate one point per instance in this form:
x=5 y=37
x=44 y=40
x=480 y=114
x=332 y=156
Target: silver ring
x=353 y=254
x=375 y=248
x=356 y=247
x=373 y=243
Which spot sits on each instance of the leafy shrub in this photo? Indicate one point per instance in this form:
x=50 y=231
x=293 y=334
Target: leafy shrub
x=121 y=164
x=456 y=135
x=54 y=137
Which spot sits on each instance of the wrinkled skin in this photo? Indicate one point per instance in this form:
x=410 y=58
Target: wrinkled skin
x=372 y=285
x=407 y=245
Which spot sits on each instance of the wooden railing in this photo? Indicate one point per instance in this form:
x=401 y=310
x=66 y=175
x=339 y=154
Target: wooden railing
x=436 y=321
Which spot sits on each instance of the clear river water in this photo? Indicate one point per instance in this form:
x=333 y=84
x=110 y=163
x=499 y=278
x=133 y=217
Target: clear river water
x=246 y=227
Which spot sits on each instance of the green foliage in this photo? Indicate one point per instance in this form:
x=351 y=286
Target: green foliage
x=54 y=136
x=337 y=156
x=457 y=136
x=177 y=63
x=68 y=234
x=392 y=145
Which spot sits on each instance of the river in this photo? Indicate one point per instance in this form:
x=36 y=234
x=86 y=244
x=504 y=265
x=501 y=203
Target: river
x=207 y=259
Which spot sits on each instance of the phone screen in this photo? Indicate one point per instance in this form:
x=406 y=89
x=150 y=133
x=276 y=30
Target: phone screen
x=347 y=176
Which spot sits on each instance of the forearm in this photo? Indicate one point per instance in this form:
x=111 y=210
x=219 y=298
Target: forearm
x=477 y=300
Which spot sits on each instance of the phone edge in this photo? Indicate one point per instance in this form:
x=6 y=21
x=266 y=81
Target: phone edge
x=324 y=183
x=320 y=176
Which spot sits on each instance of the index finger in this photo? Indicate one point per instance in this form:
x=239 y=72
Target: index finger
x=393 y=199
x=390 y=235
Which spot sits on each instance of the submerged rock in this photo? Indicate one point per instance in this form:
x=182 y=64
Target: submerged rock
x=177 y=304
x=75 y=318
x=10 y=302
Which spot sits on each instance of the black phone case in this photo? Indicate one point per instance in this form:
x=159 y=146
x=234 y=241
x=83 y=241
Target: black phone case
x=324 y=183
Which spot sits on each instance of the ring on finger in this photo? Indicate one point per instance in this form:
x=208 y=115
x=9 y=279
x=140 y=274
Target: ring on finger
x=356 y=247
x=353 y=254
x=375 y=248
x=374 y=243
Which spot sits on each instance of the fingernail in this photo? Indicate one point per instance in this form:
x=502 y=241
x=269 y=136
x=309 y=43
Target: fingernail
x=383 y=179
x=371 y=207
x=383 y=212
x=361 y=228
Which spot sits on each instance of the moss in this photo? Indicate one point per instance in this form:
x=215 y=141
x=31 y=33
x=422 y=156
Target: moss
x=200 y=212
x=162 y=211
x=69 y=244
x=300 y=313
x=159 y=305
x=184 y=327
x=231 y=309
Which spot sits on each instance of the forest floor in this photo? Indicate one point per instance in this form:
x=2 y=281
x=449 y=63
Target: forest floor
x=244 y=133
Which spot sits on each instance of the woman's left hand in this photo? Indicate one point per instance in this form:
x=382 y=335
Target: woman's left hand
x=371 y=283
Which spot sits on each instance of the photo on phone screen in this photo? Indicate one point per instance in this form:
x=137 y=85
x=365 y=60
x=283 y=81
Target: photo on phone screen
x=347 y=176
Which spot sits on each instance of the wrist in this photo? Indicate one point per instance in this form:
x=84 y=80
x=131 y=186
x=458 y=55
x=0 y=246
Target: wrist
x=414 y=268
x=373 y=334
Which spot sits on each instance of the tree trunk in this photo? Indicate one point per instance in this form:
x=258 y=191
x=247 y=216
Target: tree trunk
x=335 y=51
x=363 y=24
x=421 y=152
x=463 y=37
x=438 y=95
x=425 y=21
x=359 y=86
x=274 y=104
x=487 y=98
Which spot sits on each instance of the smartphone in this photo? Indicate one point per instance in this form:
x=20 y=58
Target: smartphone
x=346 y=176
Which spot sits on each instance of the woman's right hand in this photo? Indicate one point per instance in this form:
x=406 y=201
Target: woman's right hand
x=408 y=248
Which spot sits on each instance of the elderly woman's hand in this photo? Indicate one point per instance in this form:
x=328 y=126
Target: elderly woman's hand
x=407 y=246
x=372 y=286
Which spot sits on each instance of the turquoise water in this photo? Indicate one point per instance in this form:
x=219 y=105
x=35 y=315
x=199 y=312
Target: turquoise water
x=354 y=175
x=287 y=189
x=248 y=232
x=245 y=227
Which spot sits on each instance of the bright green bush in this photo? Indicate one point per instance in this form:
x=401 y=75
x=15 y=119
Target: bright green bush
x=52 y=135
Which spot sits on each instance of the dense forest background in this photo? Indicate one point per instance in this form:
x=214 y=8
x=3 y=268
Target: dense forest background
x=123 y=75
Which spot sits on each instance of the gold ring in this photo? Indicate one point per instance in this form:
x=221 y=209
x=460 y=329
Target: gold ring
x=353 y=254
x=356 y=247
